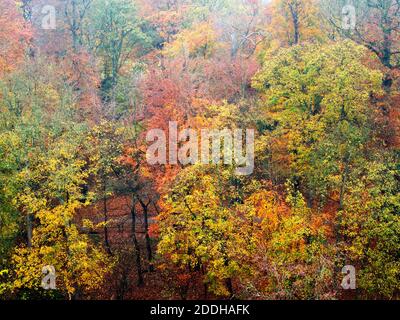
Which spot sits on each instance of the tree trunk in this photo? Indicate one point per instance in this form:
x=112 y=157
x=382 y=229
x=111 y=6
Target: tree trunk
x=105 y=212
x=29 y=230
x=147 y=236
x=296 y=25
x=136 y=246
x=74 y=27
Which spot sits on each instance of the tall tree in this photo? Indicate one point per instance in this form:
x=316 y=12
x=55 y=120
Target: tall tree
x=14 y=36
x=377 y=27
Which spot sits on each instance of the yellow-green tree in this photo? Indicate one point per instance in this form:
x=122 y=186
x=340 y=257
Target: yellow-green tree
x=318 y=102
x=200 y=229
x=51 y=197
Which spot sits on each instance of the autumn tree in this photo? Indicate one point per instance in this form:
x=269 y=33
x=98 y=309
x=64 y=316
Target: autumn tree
x=14 y=36
x=293 y=22
x=328 y=98
x=376 y=28
x=112 y=33
x=197 y=230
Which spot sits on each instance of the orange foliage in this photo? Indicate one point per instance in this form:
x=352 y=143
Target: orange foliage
x=14 y=36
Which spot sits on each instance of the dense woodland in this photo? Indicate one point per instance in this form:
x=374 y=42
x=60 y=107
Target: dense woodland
x=76 y=191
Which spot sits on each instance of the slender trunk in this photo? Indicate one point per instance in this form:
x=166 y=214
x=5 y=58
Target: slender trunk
x=296 y=31
x=74 y=27
x=296 y=25
x=147 y=236
x=105 y=211
x=230 y=287
x=140 y=281
x=387 y=49
x=228 y=281
x=29 y=230
x=234 y=46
